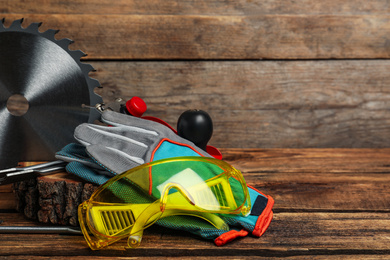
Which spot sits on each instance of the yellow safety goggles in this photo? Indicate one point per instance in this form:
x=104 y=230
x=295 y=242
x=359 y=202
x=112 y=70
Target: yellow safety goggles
x=132 y=201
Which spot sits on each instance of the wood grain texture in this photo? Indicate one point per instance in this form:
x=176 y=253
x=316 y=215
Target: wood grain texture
x=323 y=180
x=329 y=204
x=190 y=7
x=113 y=36
x=7 y=200
x=291 y=234
x=264 y=104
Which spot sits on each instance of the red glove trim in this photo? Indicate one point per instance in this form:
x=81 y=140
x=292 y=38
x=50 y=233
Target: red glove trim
x=262 y=223
x=173 y=142
x=230 y=236
x=264 y=220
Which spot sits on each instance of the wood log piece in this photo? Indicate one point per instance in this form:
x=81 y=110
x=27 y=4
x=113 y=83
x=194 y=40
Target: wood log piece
x=53 y=198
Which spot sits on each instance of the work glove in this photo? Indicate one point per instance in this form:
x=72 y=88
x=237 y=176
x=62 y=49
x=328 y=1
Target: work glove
x=130 y=141
x=255 y=224
x=126 y=143
x=105 y=151
x=82 y=165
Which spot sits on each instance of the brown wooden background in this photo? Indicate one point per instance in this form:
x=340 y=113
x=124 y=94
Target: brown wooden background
x=271 y=73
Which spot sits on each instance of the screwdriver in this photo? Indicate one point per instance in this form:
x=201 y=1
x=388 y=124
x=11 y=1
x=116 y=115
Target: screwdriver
x=23 y=173
x=39 y=230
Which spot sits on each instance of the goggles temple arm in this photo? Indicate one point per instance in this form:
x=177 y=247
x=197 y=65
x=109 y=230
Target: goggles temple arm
x=151 y=214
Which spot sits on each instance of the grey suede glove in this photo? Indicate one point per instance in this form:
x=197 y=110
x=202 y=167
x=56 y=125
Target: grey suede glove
x=130 y=141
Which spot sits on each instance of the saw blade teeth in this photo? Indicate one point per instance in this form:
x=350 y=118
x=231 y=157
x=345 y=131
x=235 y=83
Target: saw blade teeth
x=33 y=27
x=88 y=67
x=49 y=34
x=94 y=83
x=64 y=43
x=17 y=24
x=77 y=55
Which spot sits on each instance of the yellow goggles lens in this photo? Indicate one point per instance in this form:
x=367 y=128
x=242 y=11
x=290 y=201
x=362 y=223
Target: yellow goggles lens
x=130 y=202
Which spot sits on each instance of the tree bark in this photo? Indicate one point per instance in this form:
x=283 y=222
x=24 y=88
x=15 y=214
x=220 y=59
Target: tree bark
x=52 y=199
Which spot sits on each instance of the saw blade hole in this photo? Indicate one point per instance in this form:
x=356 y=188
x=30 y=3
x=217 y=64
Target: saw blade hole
x=17 y=105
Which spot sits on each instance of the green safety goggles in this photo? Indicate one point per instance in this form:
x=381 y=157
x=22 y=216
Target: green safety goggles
x=132 y=201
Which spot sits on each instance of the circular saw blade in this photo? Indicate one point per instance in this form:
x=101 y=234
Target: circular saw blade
x=53 y=88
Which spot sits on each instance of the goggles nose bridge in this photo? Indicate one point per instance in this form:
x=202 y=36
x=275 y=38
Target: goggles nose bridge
x=179 y=188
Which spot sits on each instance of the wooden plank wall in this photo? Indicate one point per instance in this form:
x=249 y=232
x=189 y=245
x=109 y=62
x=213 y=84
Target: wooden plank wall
x=271 y=73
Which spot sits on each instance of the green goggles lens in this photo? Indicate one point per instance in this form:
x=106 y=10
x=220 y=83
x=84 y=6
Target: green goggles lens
x=130 y=202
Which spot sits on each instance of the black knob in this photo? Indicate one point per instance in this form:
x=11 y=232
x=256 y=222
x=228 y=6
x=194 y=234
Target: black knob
x=195 y=126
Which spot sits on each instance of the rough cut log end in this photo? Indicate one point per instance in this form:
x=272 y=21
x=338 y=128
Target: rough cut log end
x=53 y=198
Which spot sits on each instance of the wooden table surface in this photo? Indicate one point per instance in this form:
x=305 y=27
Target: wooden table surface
x=329 y=203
